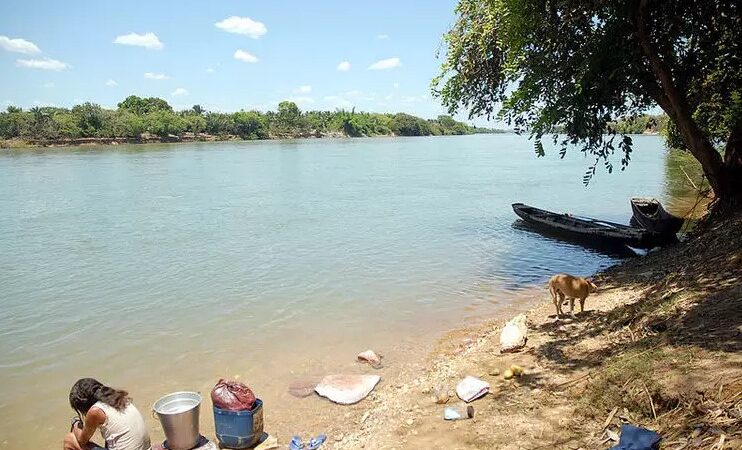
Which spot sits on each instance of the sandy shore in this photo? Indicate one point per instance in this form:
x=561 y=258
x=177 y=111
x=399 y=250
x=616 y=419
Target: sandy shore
x=658 y=346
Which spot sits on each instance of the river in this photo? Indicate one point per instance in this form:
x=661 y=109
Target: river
x=163 y=267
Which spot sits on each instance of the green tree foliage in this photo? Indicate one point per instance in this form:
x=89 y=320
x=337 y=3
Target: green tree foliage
x=142 y=106
x=406 y=125
x=576 y=66
x=164 y=123
x=136 y=116
x=644 y=123
x=67 y=124
x=13 y=123
x=89 y=117
x=219 y=124
x=288 y=116
x=250 y=125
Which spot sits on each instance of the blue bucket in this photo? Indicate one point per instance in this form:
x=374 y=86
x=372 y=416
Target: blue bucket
x=239 y=429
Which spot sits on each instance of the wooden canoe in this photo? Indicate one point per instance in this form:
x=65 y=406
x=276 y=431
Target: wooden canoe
x=585 y=228
x=649 y=214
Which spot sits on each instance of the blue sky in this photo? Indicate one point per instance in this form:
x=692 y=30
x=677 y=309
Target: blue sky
x=225 y=55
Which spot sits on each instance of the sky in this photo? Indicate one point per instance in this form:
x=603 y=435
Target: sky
x=225 y=55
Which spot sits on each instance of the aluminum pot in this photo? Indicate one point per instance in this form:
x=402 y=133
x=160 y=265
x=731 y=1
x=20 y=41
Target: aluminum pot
x=178 y=414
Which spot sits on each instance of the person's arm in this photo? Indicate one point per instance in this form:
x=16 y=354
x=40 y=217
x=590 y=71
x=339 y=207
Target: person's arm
x=93 y=419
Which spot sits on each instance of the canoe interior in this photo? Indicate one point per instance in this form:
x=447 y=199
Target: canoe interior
x=648 y=208
x=649 y=214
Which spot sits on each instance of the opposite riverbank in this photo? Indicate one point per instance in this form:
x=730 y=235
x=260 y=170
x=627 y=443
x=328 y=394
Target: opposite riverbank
x=21 y=144
x=659 y=346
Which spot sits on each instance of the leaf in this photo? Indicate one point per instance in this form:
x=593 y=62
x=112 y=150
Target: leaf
x=539 y=147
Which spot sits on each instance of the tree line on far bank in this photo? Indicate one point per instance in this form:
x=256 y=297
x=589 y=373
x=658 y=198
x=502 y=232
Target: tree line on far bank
x=137 y=116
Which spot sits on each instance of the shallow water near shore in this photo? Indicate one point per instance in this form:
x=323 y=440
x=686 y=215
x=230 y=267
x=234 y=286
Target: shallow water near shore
x=162 y=268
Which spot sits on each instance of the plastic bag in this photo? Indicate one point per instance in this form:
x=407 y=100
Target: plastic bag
x=232 y=396
x=514 y=335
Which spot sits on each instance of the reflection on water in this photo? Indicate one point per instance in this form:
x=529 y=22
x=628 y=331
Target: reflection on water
x=684 y=182
x=162 y=268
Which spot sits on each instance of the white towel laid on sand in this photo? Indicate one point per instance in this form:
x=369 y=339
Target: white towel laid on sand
x=347 y=389
x=513 y=337
x=471 y=388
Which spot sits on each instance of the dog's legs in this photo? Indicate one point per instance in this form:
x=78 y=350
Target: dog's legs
x=572 y=306
x=559 y=304
x=582 y=304
x=553 y=293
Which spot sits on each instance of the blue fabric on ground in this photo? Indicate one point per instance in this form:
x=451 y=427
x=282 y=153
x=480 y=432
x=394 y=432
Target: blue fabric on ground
x=636 y=438
x=315 y=443
x=296 y=443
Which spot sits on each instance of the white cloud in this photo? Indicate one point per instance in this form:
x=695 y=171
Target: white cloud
x=18 y=45
x=43 y=64
x=344 y=66
x=149 y=41
x=179 y=92
x=111 y=83
x=302 y=100
x=242 y=55
x=382 y=36
x=306 y=89
x=210 y=70
x=242 y=25
x=156 y=76
x=48 y=85
x=396 y=85
x=384 y=64
x=409 y=99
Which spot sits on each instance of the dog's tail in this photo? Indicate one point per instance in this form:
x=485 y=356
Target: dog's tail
x=553 y=291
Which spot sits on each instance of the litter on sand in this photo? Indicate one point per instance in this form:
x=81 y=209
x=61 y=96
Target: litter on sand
x=458 y=412
x=313 y=443
x=347 y=389
x=371 y=358
x=471 y=388
x=513 y=337
x=637 y=438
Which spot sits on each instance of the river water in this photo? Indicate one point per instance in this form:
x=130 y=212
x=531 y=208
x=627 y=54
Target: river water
x=163 y=267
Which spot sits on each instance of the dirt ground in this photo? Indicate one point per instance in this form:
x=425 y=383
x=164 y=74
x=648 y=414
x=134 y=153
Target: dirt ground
x=658 y=346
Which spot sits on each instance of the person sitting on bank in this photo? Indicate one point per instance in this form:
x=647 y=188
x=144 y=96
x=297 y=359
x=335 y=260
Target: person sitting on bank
x=109 y=410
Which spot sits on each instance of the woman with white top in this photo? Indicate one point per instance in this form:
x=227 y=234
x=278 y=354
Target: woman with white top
x=109 y=410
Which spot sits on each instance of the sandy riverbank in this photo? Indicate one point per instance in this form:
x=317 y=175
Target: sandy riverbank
x=658 y=346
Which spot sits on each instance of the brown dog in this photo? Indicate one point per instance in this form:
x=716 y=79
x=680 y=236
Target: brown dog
x=563 y=285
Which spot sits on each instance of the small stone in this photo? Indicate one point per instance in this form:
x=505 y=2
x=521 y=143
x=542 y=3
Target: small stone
x=441 y=396
x=339 y=437
x=409 y=421
x=495 y=372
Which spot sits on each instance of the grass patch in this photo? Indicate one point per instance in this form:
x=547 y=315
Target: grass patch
x=631 y=379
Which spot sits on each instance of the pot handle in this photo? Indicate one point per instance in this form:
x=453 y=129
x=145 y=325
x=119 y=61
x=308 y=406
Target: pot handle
x=154 y=416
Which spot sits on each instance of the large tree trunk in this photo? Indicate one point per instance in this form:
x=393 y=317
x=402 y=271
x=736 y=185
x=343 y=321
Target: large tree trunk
x=733 y=168
x=724 y=175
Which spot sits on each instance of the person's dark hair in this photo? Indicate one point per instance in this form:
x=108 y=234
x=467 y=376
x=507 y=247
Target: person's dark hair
x=86 y=391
